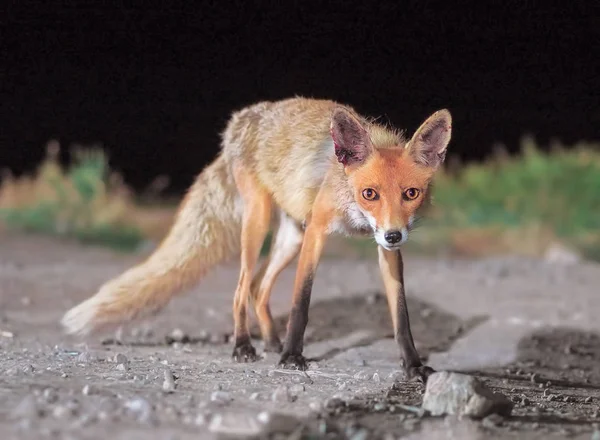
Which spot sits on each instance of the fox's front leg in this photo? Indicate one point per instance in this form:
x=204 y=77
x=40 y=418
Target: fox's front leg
x=312 y=246
x=392 y=271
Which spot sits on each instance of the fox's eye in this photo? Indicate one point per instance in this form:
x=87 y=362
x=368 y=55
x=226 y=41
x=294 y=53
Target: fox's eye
x=370 y=194
x=411 y=193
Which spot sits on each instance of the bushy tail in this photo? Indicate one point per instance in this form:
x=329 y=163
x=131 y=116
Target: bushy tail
x=206 y=232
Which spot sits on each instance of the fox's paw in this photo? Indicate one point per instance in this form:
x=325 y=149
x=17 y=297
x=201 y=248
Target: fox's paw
x=244 y=352
x=419 y=374
x=293 y=361
x=82 y=319
x=273 y=346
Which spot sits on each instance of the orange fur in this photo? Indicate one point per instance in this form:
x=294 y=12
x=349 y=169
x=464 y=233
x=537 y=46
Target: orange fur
x=301 y=166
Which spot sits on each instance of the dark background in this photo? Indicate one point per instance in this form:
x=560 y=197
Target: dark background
x=155 y=84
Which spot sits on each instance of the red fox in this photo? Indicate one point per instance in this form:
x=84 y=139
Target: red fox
x=306 y=168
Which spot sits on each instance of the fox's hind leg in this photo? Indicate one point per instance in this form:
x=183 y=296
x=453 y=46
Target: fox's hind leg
x=286 y=245
x=255 y=225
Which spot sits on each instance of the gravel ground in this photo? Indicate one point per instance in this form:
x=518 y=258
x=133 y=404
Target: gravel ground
x=525 y=328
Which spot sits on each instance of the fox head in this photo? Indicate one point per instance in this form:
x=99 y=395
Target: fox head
x=389 y=176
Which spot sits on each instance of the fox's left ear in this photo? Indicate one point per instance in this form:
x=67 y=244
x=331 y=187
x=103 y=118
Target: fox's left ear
x=429 y=143
x=350 y=138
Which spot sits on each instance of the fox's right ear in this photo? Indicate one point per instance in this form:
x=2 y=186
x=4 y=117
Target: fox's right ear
x=350 y=139
x=429 y=143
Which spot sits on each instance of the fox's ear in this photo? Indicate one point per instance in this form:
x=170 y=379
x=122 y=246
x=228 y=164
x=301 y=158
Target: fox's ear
x=350 y=138
x=429 y=143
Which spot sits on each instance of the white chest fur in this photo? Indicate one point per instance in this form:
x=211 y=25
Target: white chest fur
x=352 y=222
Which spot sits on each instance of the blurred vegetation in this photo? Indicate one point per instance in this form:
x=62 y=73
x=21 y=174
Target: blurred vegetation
x=518 y=204
x=85 y=201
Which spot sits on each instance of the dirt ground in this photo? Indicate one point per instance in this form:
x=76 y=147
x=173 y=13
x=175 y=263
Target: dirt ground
x=527 y=328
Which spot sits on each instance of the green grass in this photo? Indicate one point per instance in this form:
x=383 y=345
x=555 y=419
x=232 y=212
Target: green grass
x=560 y=189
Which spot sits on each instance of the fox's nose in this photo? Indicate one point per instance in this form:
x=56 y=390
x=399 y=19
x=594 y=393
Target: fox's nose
x=393 y=237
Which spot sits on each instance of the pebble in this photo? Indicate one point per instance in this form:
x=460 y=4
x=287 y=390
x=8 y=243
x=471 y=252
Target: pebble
x=376 y=378
x=588 y=399
x=86 y=391
x=168 y=385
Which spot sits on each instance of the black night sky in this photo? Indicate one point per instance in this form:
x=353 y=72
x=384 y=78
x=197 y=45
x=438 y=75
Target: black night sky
x=155 y=84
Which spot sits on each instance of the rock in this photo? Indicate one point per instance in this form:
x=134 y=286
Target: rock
x=168 y=385
x=558 y=253
x=460 y=394
x=122 y=367
x=87 y=390
x=376 y=378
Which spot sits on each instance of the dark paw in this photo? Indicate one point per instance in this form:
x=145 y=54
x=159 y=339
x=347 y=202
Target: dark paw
x=420 y=373
x=293 y=362
x=244 y=353
x=273 y=346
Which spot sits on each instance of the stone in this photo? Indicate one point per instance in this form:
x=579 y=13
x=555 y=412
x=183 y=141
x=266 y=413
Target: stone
x=168 y=385
x=461 y=394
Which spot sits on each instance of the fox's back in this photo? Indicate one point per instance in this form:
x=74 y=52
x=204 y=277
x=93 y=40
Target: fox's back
x=287 y=146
